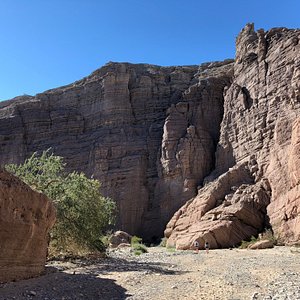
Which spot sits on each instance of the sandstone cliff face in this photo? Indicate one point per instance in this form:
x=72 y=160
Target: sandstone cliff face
x=260 y=108
x=140 y=129
x=26 y=217
x=217 y=143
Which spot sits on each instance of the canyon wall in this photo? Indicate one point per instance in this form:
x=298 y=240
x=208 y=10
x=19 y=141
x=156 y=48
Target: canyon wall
x=255 y=181
x=216 y=144
x=142 y=130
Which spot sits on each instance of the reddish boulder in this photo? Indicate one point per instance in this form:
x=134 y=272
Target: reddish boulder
x=225 y=212
x=263 y=244
x=26 y=217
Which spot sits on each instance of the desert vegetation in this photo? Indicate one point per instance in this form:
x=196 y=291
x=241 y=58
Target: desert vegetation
x=83 y=214
x=137 y=246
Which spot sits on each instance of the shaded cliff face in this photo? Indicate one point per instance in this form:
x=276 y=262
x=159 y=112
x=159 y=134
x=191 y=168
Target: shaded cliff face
x=148 y=133
x=26 y=217
x=255 y=181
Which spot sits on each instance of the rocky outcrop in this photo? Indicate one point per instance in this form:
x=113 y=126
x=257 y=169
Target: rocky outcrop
x=284 y=175
x=225 y=212
x=26 y=217
x=191 y=132
x=260 y=108
x=216 y=144
x=140 y=129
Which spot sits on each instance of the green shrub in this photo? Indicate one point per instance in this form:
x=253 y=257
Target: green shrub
x=268 y=235
x=140 y=247
x=171 y=249
x=136 y=240
x=246 y=244
x=105 y=239
x=137 y=246
x=163 y=242
x=83 y=214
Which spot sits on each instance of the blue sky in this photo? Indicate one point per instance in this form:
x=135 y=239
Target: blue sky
x=46 y=44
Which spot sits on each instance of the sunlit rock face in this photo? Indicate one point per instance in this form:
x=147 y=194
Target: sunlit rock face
x=259 y=133
x=26 y=217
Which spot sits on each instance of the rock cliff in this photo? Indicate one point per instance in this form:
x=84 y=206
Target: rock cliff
x=140 y=129
x=255 y=181
x=26 y=217
x=216 y=144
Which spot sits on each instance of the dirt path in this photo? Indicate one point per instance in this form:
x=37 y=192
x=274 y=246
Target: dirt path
x=161 y=274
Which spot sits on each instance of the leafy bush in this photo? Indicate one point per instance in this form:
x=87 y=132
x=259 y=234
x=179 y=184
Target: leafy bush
x=163 y=242
x=83 y=214
x=246 y=244
x=266 y=235
x=136 y=240
x=139 y=249
x=137 y=246
x=171 y=249
x=105 y=239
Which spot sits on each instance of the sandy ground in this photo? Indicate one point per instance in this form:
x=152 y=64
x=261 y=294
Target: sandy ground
x=168 y=274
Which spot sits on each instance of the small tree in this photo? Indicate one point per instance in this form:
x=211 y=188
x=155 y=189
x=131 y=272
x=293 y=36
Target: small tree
x=83 y=214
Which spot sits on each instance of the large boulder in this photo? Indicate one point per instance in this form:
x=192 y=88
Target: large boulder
x=263 y=244
x=224 y=213
x=26 y=217
x=119 y=238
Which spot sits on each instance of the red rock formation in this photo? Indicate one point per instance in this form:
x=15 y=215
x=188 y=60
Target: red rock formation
x=111 y=125
x=284 y=177
x=26 y=217
x=260 y=107
x=263 y=244
x=155 y=135
x=191 y=131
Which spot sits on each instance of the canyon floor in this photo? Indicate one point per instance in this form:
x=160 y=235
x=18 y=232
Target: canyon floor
x=168 y=274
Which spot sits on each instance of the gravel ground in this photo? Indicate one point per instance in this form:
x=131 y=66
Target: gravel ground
x=164 y=274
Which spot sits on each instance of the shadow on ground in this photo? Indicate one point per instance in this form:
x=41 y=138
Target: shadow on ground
x=63 y=286
x=81 y=279
x=108 y=265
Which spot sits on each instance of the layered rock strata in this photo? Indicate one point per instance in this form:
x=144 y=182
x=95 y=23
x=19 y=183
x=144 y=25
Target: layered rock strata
x=259 y=129
x=26 y=217
x=217 y=143
x=142 y=130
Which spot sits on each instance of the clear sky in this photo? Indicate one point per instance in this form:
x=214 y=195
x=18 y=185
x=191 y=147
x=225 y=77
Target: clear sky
x=48 y=43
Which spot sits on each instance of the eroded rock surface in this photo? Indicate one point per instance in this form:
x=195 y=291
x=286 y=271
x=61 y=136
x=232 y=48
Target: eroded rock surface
x=26 y=217
x=258 y=129
x=283 y=172
x=217 y=143
x=140 y=129
x=225 y=212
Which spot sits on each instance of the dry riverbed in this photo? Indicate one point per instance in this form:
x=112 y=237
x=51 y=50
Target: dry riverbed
x=162 y=274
